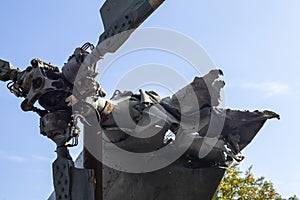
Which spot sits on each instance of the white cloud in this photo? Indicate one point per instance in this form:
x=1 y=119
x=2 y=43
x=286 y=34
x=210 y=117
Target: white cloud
x=41 y=158
x=12 y=157
x=16 y=158
x=19 y=158
x=270 y=89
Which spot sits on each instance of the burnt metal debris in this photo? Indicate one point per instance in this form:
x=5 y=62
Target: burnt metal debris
x=73 y=93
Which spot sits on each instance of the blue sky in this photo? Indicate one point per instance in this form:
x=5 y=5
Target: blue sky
x=255 y=42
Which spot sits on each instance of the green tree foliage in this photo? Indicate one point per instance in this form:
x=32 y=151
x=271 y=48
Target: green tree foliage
x=238 y=186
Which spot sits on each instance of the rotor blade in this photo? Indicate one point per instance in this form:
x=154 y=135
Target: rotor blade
x=121 y=18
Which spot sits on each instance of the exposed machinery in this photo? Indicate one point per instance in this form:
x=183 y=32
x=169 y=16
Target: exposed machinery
x=73 y=93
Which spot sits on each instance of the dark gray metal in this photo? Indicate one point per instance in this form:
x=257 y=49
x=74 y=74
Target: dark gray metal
x=61 y=174
x=71 y=183
x=45 y=84
x=82 y=185
x=59 y=127
x=7 y=72
x=123 y=16
x=190 y=177
x=173 y=182
x=93 y=140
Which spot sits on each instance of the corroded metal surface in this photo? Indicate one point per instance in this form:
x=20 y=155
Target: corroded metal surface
x=209 y=138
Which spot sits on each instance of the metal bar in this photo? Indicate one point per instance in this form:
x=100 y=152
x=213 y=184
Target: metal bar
x=92 y=154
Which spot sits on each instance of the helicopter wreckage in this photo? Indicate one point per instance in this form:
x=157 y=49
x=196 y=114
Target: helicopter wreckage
x=206 y=139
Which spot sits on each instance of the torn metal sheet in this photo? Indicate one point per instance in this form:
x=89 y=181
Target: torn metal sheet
x=205 y=138
x=197 y=173
x=193 y=110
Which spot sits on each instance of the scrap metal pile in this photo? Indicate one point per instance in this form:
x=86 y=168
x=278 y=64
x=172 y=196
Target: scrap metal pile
x=206 y=139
